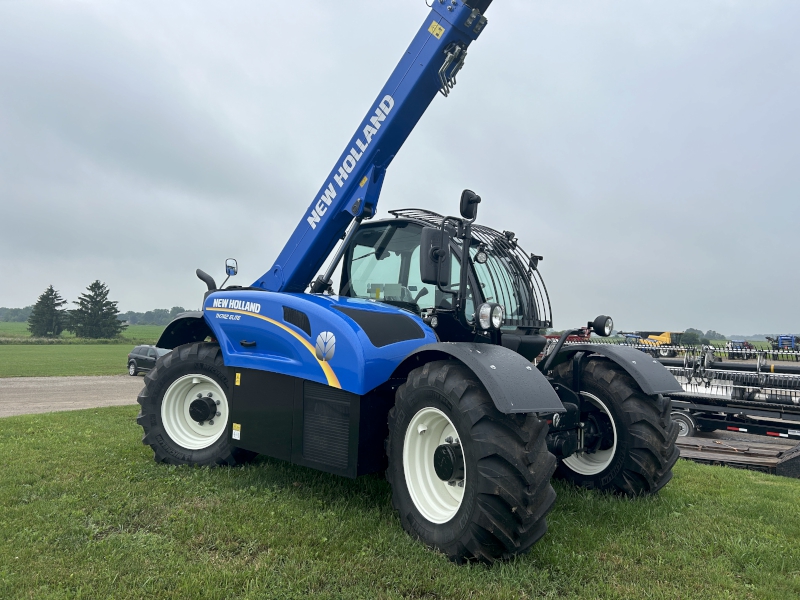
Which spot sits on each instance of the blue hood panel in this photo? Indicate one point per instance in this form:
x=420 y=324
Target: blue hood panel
x=253 y=332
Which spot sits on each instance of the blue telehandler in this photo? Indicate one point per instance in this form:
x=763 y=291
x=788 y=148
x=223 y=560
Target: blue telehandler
x=422 y=364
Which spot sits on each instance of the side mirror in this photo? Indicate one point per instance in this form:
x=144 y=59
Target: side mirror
x=469 y=204
x=434 y=257
x=231 y=267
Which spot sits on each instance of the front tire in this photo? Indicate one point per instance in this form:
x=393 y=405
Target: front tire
x=184 y=408
x=638 y=449
x=496 y=507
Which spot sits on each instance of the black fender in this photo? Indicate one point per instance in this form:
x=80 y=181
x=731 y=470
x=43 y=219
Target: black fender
x=185 y=328
x=651 y=375
x=514 y=384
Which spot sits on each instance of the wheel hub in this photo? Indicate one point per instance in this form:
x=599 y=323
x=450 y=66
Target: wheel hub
x=202 y=409
x=448 y=462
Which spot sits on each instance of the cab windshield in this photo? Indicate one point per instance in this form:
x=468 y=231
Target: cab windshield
x=382 y=264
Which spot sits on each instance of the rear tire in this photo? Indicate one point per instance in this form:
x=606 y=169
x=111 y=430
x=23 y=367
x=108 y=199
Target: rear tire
x=187 y=373
x=500 y=510
x=132 y=370
x=644 y=452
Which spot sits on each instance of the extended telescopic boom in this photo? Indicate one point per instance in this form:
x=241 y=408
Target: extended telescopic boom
x=352 y=189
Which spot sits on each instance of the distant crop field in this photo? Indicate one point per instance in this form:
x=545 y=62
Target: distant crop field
x=50 y=360
x=135 y=334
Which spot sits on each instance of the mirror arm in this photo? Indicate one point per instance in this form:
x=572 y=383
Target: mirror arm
x=461 y=301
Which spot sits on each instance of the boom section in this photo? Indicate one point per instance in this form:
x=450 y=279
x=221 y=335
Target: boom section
x=352 y=188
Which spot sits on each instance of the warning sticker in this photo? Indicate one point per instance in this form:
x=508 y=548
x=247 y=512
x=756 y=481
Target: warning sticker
x=238 y=379
x=794 y=432
x=436 y=30
x=237 y=430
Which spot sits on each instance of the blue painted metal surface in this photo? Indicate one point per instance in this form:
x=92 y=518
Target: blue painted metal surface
x=252 y=316
x=354 y=184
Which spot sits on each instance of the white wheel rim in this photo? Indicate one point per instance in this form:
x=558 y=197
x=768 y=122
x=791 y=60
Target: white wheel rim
x=683 y=426
x=592 y=464
x=180 y=427
x=437 y=501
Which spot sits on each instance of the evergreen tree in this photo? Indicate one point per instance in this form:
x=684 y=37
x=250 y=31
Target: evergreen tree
x=96 y=315
x=47 y=319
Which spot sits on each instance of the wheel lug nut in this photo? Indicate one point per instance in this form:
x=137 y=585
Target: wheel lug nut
x=217 y=402
x=461 y=483
x=209 y=394
x=199 y=395
x=202 y=423
x=449 y=439
x=219 y=414
x=211 y=422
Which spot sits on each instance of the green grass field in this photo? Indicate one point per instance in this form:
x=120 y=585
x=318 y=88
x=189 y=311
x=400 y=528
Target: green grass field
x=135 y=334
x=86 y=513
x=37 y=360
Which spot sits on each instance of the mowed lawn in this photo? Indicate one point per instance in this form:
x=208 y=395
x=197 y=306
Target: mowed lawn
x=71 y=356
x=86 y=513
x=49 y=360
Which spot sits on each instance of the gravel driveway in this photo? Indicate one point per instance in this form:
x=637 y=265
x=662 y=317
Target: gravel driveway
x=29 y=395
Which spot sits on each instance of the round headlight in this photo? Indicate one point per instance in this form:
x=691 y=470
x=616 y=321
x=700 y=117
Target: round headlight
x=497 y=316
x=481 y=257
x=609 y=326
x=485 y=316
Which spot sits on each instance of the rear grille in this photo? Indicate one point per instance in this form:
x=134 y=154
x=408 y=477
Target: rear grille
x=326 y=424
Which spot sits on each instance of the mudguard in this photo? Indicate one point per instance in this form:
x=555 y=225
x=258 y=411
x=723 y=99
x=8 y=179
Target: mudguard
x=185 y=328
x=650 y=374
x=514 y=384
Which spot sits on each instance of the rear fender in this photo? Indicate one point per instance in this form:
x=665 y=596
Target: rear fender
x=186 y=328
x=651 y=375
x=514 y=384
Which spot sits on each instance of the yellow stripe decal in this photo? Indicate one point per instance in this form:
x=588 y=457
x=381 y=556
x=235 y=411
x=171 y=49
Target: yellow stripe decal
x=333 y=381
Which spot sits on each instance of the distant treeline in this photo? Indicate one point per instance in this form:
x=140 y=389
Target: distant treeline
x=159 y=316
x=15 y=315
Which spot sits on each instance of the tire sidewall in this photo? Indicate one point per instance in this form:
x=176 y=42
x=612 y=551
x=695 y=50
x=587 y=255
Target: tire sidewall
x=437 y=534
x=165 y=374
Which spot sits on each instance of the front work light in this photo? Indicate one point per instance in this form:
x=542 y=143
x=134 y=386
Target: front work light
x=602 y=325
x=497 y=316
x=490 y=315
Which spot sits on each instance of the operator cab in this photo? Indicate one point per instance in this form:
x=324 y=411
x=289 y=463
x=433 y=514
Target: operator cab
x=499 y=295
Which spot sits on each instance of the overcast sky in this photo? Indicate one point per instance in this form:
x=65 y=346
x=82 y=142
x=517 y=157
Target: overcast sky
x=647 y=149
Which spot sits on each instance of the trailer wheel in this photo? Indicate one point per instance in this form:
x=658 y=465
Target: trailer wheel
x=633 y=446
x=686 y=424
x=184 y=408
x=466 y=479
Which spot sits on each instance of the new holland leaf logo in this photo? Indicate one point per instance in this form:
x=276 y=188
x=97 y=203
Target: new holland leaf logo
x=326 y=346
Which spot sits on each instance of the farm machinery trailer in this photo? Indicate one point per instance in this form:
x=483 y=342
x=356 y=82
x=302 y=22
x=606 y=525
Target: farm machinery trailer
x=419 y=365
